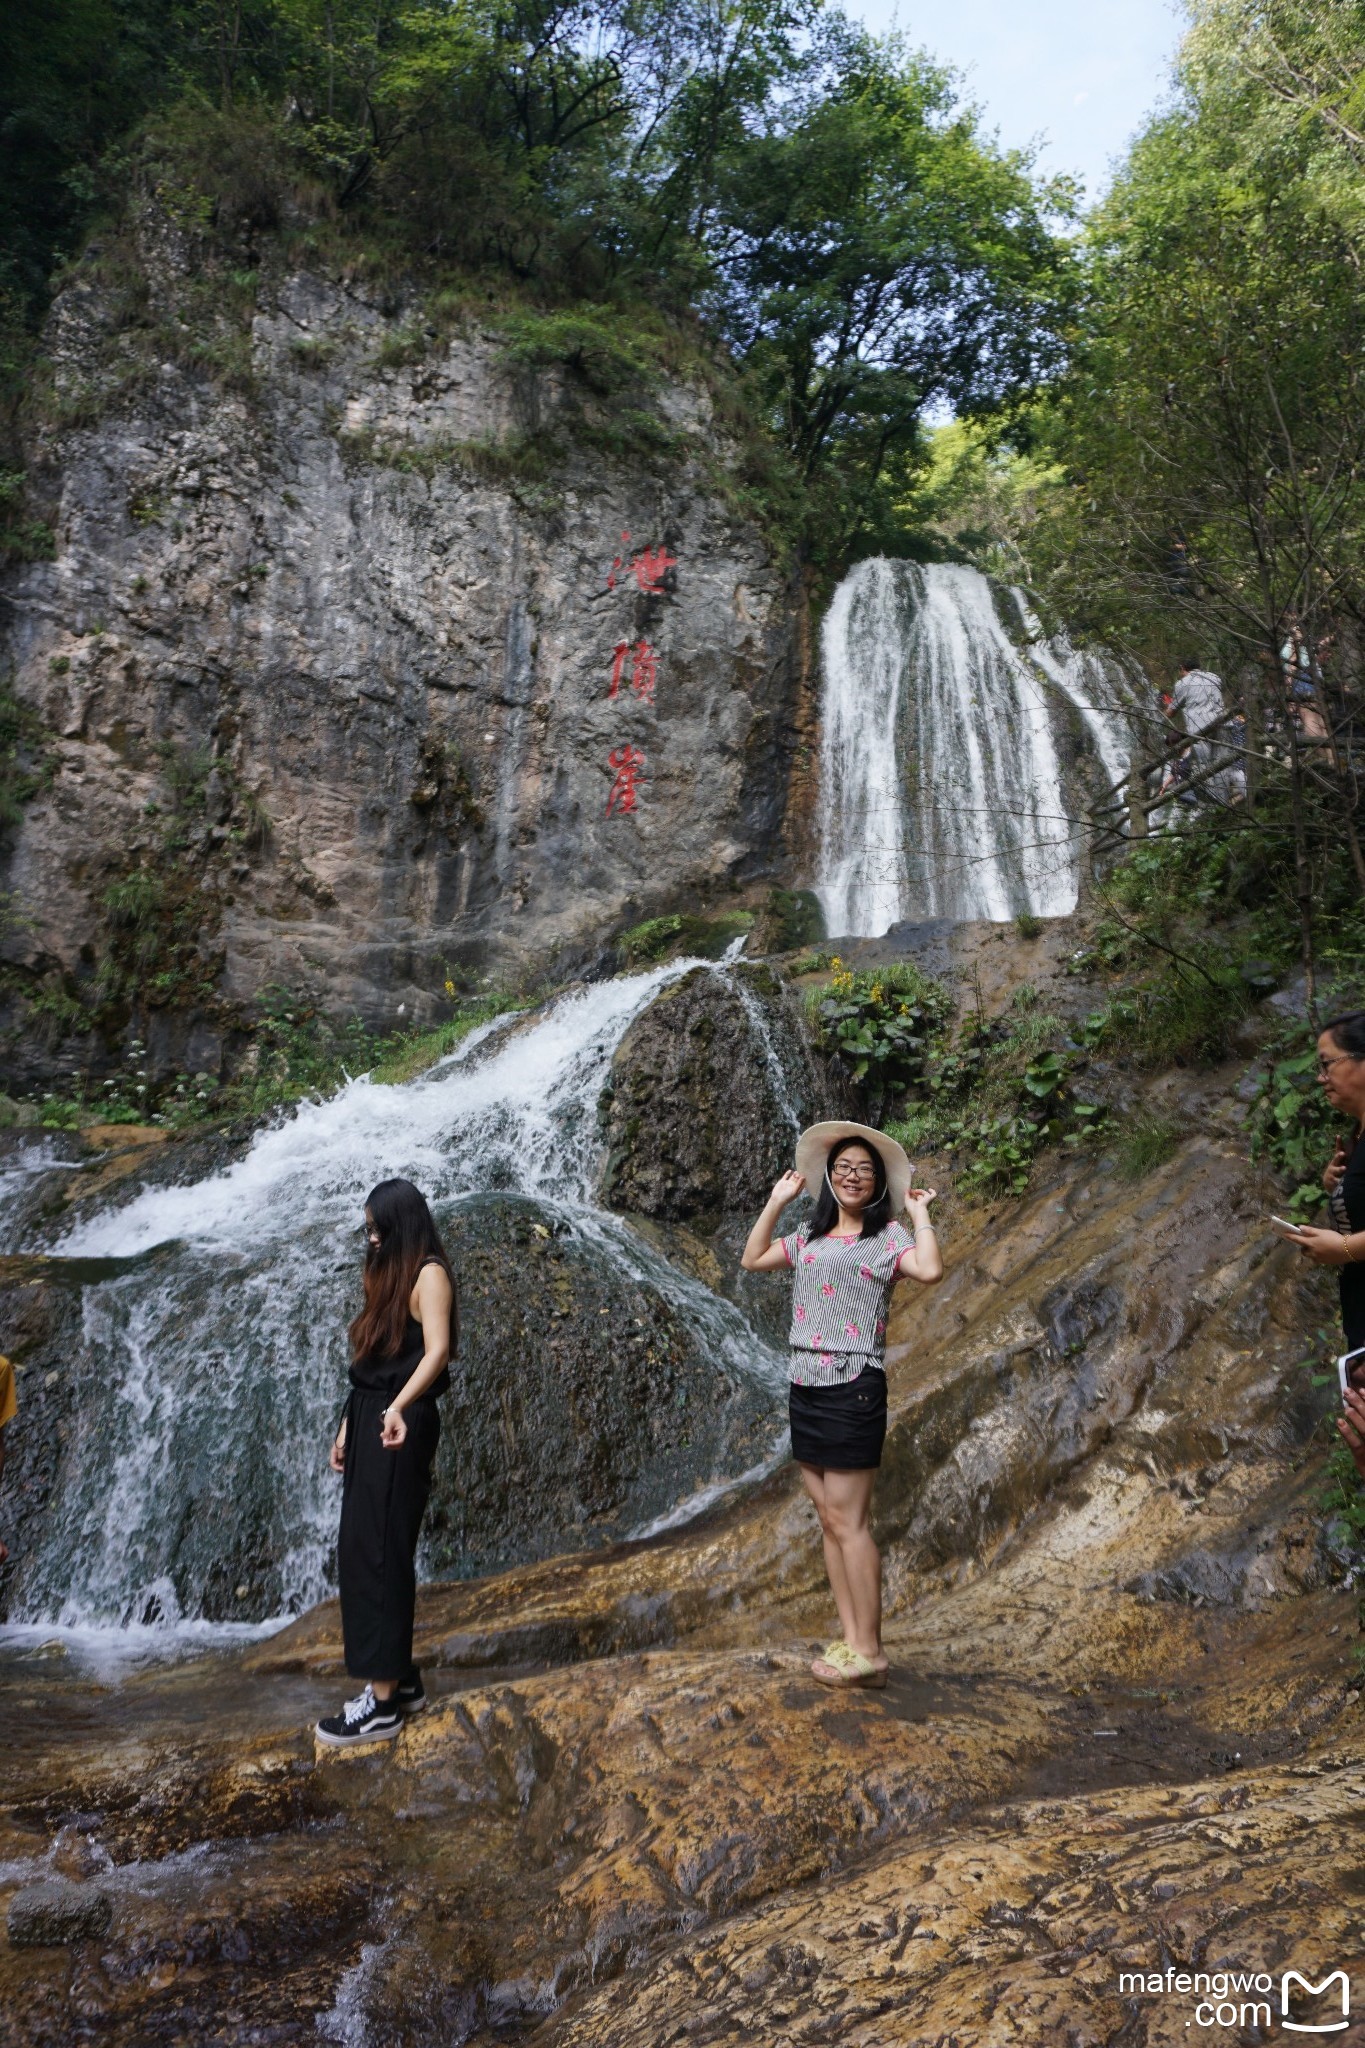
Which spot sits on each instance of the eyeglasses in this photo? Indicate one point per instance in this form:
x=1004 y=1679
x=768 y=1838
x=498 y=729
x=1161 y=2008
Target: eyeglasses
x=842 y=1172
x=1336 y=1061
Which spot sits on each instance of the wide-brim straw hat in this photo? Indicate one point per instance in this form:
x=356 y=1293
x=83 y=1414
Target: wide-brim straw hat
x=812 y=1151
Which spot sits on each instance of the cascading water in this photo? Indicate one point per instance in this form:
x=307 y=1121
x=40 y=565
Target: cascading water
x=219 y=1345
x=942 y=791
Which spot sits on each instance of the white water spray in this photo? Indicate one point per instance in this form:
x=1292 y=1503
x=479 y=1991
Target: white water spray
x=941 y=787
x=220 y=1351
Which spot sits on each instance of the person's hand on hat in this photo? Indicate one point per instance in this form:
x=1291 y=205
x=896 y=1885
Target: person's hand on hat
x=787 y=1188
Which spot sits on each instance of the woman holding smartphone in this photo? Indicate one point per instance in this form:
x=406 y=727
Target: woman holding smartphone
x=1341 y=1070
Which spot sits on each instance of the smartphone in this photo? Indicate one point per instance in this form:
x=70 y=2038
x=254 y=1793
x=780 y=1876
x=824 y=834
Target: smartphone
x=1344 y=1364
x=1283 y=1229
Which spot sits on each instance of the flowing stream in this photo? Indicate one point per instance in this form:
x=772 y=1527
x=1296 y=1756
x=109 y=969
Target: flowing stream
x=941 y=768
x=219 y=1345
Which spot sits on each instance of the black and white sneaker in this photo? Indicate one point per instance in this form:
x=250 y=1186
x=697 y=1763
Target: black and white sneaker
x=363 y=1719
x=411 y=1696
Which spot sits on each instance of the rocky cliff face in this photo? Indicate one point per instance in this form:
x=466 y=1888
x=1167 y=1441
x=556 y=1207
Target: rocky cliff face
x=376 y=662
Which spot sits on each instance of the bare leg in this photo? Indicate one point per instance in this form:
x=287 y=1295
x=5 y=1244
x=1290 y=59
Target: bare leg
x=814 y=1480
x=847 y=1499
x=383 y=1689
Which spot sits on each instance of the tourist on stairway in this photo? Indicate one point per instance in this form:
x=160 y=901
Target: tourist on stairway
x=401 y=1345
x=845 y=1261
x=1198 y=702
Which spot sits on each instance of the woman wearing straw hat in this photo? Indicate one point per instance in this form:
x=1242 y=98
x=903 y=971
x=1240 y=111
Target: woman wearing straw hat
x=844 y=1263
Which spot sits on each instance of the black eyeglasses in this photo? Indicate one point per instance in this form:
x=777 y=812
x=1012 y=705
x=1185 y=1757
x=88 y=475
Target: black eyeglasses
x=842 y=1172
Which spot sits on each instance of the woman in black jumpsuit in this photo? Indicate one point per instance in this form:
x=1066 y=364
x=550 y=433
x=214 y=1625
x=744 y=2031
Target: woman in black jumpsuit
x=401 y=1344
x=1341 y=1070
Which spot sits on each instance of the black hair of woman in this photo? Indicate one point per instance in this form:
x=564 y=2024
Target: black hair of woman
x=876 y=1215
x=1348 y=1031
x=407 y=1240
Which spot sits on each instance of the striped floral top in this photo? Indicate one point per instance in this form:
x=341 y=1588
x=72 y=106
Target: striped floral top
x=840 y=1289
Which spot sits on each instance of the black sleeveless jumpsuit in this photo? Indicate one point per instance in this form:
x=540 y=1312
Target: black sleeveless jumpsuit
x=383 y=1497
x=1351 y=1278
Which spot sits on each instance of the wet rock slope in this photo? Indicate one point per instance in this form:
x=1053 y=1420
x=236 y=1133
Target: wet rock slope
x=1123 y=1730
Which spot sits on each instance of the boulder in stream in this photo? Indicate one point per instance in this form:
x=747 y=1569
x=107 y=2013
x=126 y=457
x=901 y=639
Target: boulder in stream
x=56 y=1913
x=708 y=1090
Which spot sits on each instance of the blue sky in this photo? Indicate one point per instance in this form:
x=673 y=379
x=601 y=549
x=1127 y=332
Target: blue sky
x=1079 y=73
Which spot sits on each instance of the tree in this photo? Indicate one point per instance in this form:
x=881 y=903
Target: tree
x=1212 y=422
x=875 y=258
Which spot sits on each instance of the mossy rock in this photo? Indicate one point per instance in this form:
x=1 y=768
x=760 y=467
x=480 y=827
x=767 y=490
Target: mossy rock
x=792 y=919
x=700 y=1114
x=665 y=938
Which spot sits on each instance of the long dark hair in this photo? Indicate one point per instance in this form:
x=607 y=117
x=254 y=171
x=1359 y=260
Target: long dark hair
x=876 y=1215
x=408 y=1238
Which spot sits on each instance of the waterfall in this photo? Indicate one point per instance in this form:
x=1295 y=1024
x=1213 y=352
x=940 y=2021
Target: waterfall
x=941 y=786
x=220 y=1345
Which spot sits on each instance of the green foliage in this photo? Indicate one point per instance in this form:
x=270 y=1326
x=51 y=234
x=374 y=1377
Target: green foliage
x=880 y=1025
x=792 y=918
x=809 y=963
x=296 y=1052
x=978 y=497
x=607 y=351
x=1145 y=1143
x=25 y=767
x=993 y=1100
x=596 y=181
x=877 y=256
x=1027 y=925
x=21 y=539
x=1343 y=1494
x=404 y=1057
x=1177 y=1017
x=658 y=938
x=1293 y=1126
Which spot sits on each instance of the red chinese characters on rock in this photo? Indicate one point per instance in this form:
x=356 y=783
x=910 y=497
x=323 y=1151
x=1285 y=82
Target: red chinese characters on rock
x=644 y=670
x=649 y=567
x=628 y=765
x=652 y=569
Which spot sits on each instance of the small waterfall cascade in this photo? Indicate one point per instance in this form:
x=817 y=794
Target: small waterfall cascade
x=942 y=792
x=220 y=1341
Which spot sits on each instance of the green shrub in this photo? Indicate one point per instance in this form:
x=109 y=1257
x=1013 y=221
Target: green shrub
x=659 y=938
x=791 y=918
x=1292 y=1124
x=25 y=765
x=1027 y=925
x=1176 y=1018
x=1147 y=1142
x=599 y=344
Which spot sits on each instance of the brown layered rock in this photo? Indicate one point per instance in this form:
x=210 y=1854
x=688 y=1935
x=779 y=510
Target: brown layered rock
x=1123 y=1728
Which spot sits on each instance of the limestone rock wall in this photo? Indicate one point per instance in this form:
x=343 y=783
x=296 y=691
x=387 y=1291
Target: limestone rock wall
x=327 y=651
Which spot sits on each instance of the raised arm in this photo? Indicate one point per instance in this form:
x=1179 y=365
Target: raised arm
x=760 y=1254
x=923 y=1261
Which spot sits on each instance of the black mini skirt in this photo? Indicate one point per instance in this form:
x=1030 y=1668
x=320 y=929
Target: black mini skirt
x=842 y=1428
